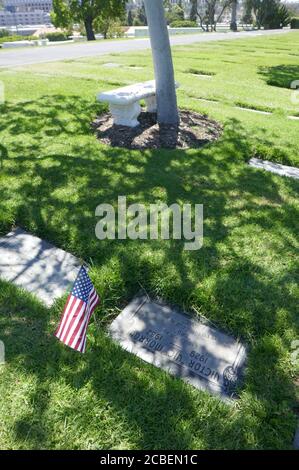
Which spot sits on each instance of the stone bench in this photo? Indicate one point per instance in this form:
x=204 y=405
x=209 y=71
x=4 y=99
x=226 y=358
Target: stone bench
x=40 y=42
x=124 y=102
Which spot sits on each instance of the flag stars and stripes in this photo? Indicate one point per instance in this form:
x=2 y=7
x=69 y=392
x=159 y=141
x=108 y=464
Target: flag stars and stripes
x=79 y=307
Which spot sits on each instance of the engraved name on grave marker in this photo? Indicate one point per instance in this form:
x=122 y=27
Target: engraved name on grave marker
x=202 y=356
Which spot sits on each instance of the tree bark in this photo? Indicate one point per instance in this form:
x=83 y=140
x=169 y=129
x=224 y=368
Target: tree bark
x=89 y=29
x=164 y=74
x=233 y=22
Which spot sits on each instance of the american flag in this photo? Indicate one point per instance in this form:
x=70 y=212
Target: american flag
x=78 y=309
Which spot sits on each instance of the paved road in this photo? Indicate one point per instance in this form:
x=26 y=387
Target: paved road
x=11 y=58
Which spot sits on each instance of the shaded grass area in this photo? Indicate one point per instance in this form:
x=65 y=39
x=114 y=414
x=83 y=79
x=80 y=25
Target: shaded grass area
x=245 y=278
x=280 y=75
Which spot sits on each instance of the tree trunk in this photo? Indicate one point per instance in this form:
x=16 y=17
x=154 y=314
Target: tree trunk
x=212 y=18
x=233 y=22
x=193 y=11
x=89 y=29
x=164 y=74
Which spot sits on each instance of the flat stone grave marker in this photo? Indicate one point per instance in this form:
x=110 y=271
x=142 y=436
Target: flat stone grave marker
x=283 y=170
x=111 y=65
x=199 y=354
x=251 y=110
x=36 y=265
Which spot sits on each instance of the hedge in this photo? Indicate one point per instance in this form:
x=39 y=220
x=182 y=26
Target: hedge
x=295 y=23
x=57 y=37
x=4 y=33
x=183 y=24
x=16 y=38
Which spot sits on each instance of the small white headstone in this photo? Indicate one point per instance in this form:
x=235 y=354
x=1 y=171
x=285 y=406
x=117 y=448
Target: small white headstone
x=111 y=65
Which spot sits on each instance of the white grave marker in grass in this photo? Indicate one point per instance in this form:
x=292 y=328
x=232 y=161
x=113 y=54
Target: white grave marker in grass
x=36 y=265
x=282 y=170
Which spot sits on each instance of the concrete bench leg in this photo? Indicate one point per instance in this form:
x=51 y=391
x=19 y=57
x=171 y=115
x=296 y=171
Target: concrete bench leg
x=126 y=115
x=151 y=104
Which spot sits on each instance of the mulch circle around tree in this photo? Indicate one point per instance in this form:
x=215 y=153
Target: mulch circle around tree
x=194 y=131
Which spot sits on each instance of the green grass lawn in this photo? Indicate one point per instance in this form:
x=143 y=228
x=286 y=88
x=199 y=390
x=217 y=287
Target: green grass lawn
x=245 y=279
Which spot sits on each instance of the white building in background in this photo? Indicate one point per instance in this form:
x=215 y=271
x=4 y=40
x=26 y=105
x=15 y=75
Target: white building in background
x=37 y=17
x=27 y=5
x=132 y=4
x=25 y=12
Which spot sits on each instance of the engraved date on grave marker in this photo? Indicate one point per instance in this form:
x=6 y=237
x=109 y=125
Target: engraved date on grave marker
x=202 y=356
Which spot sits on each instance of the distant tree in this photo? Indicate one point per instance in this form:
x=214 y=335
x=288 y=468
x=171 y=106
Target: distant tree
x=233 y=21
x=269 y=14
x=167 y=4
x=140 y=16
x=4 y=33
x=174 y=13
x=210 y=12
x=109 y=28
x=178 y=11
x=284 y=15
x=247 y=17
x=193 y=11
x=61 y=15
x=130 y=18
x=66 y=12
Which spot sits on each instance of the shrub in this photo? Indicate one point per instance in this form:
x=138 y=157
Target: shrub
x=4 y=33
x=58 y=36
x=140 y=17
x=109 y=28
x=116 y=30
x=270 y=14
x=130 y=18
x=183 y=24
x=174 y=13
x=15 y=38
x=137 y=22
x=295 y=23
x=276 y=17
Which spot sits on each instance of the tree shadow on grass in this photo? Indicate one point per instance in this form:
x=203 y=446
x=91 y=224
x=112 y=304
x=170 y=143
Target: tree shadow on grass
x=3 y=155
x=117 y=401
x=49 y=116
x=280 y=75
x=109 y=398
